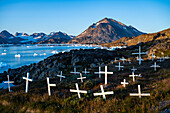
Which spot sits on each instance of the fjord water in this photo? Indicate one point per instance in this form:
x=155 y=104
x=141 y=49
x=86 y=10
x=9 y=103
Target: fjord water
x=27 y=54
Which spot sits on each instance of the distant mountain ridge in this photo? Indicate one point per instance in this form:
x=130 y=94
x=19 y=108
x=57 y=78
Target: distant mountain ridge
x=104 y=31
x=57 y=37
x=23 y=38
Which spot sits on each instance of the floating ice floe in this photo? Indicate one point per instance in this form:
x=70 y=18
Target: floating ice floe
x=35 y=54
x=3 y=53
x=43 y=54
x=17 y=55
x=55 y=52
x=3 y=64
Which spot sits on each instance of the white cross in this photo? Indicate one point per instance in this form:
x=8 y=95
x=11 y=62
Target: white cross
x=140 y=59
x=115 y=60
x=8 y=83
x=129 y=60
x=81 y=77
x=61 y=76
x=137 y=57
x=85 y=71
x=112 y=61
x=167 y=57
x=139 y=93
x=49 y=85
x=78 y=91
x=155 y=66
x=160 y=60
x=103 y=93
x=123 y=59
x=140 y=53
x=104 y=72
x=75 y=72
x=98 y=72
x=27 y=79
x=124 y=83
x=163 y=58
x=119 y=66
x=153 y=56
x=133 y=75
x=133 y=69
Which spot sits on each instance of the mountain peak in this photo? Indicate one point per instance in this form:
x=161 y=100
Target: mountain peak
x=111 y=21
x=21 y=34
x=5 y=34
x=104 y=31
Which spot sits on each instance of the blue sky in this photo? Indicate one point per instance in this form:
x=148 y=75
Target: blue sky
x=74 y=16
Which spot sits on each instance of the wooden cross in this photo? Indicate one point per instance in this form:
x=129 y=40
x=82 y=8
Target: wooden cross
x=123 y=59
x=129 y=60
x=153 y=56
x=140 y=53
x=105 y=72
x=133 y=69
x=139 y=93
x=81 y=77
x=133 y=75
x=103 y=93
x=61 y=76
x=163 y=58
x=9 y=82
x=85 y=71
x=27 y=81
x=124 y=83
x=98 y=72
x=75 y=72
x=155 y=66
x=119 y=66
x=49 y=85
x=167 y=57
x=115 y=60
x=78 y=91
x=160 y=60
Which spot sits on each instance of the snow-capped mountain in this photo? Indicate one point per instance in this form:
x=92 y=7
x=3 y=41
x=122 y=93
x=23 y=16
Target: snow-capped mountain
x=22 y=38
x=104 y=31
x=56 y=37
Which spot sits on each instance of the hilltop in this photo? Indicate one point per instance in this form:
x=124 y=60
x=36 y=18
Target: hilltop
x=104 y=31
x=62 y=100
x=157 y=43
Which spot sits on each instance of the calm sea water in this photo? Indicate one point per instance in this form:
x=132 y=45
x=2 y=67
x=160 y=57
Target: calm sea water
x=27 y=54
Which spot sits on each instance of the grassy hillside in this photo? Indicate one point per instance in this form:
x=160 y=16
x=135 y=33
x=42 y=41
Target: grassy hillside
x=62 y=100
x=158 y=43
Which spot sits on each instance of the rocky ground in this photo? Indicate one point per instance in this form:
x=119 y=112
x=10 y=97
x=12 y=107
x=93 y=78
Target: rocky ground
x=62 y=100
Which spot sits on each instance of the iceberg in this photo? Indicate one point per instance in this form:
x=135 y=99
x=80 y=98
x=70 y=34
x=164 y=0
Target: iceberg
x=3 y=64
